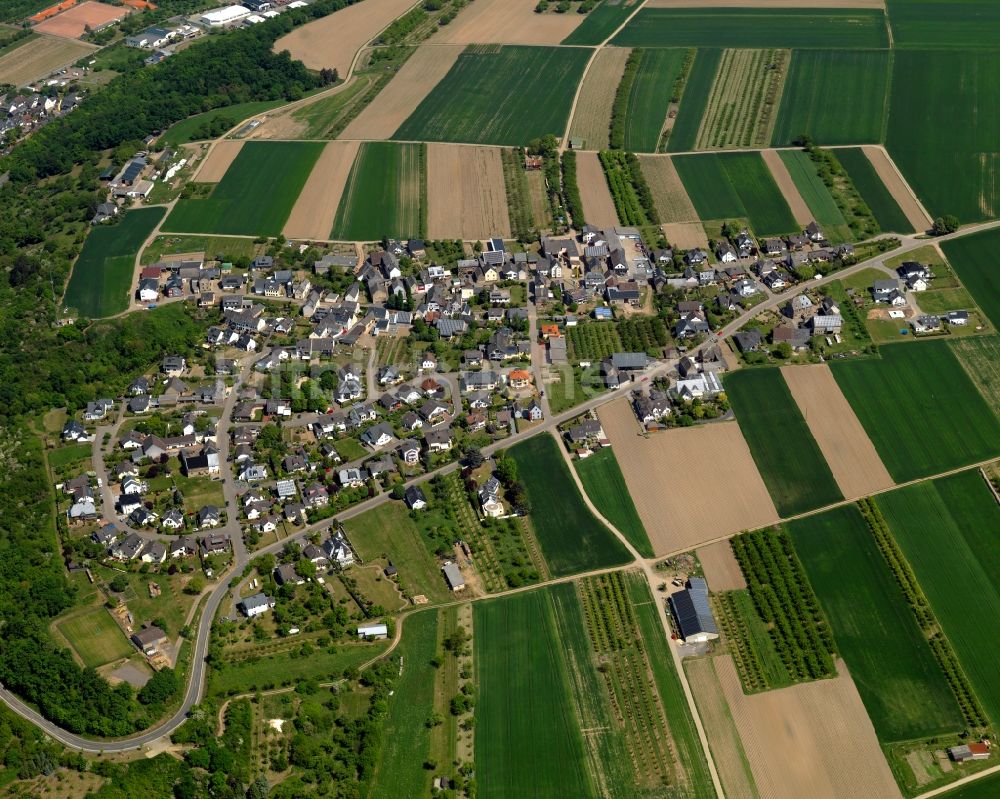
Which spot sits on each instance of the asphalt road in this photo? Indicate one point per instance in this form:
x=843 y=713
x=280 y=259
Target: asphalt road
x=196 y=682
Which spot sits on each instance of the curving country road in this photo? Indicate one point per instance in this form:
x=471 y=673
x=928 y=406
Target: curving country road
x=196 y=677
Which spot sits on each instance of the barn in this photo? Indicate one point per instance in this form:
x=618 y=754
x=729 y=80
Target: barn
x=692 y=613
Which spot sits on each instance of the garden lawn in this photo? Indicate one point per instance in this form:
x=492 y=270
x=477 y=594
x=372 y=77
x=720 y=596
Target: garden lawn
x=816 y=195
x=383 y=194
x=694 y=100
x=400 y=770
x=600 y=23
x=95 y=637
x=755 y=27
x=899 y=680
x=289 y=668
x=920 y=409
x=205 y=125
x=102 y=275
x=389 y=531
x=528 y=741
x=500 y=95
x=736 y=185
x=821 y=84
x=873 y=191
x=974 y=260
x=571 y=538
x=787 y=456
x=949 y=531
x=649 y=98
x=955 y=167
x=605 y=485
x=255 y=196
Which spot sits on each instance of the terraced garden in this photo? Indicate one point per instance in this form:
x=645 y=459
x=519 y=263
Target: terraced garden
x=749 y=643
x=629 y=191
x=743 y=102
x=593 y=341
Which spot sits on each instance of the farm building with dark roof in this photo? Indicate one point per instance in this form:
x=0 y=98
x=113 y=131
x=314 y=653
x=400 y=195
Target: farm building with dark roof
x=692 y=612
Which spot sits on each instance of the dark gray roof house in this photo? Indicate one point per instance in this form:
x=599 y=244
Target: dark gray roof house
x=692 y=613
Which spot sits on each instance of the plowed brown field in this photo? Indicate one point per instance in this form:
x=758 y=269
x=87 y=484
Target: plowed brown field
x=332 y=41
x=506 y=22
x=400 y=98
x=897 y=188
x=218 y=161
x=824 y=723
x=690 y=485
x=592 y=118
x=720 y=567
x=313 y=214
x=669 y=194
x=598 y=206
x=465 y=193
x=779 y=171
x=844 y=443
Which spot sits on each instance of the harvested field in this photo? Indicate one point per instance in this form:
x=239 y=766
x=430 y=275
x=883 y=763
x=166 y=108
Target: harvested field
x=38 y=57
x=592 y=118
x=598 y=207
x=218 y=161
x=784 y=180
x=669 y=195
x=897 y=188
x=824 y=722
x=743 y=103
x=390 y=108
x=332 y=41
x=684 y=493
x=72 y=24
x=720 y=566
x=465 y=193
x=685 y=235
x=724 y=739
x=506 y=22
x=313 y=213
x=844 y=443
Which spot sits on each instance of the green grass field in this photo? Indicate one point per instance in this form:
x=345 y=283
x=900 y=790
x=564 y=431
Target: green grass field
x=289 y=668
x=953 y=168
x=694 y=100
x=500 y=95
x=200 y=126
x=820 y=84
x=400 y=770
x=888 y=214
x=816 y=195
x=974 y=260
x=942 y=24
x=755 y=27
x=69 y=456
x=788 y=457
x=95 y=637
x=986 y=788
x=226 y=248
x=255 y=196
x=605 y=484
x=528 y=741
x=649 y=98
x=948 y=530
x=383 y=193
x=899 y=680
x=389 y=531
x=572 y=540
x=102 y=275
x=601 y=23
x=921 y=410
x=734 y=186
